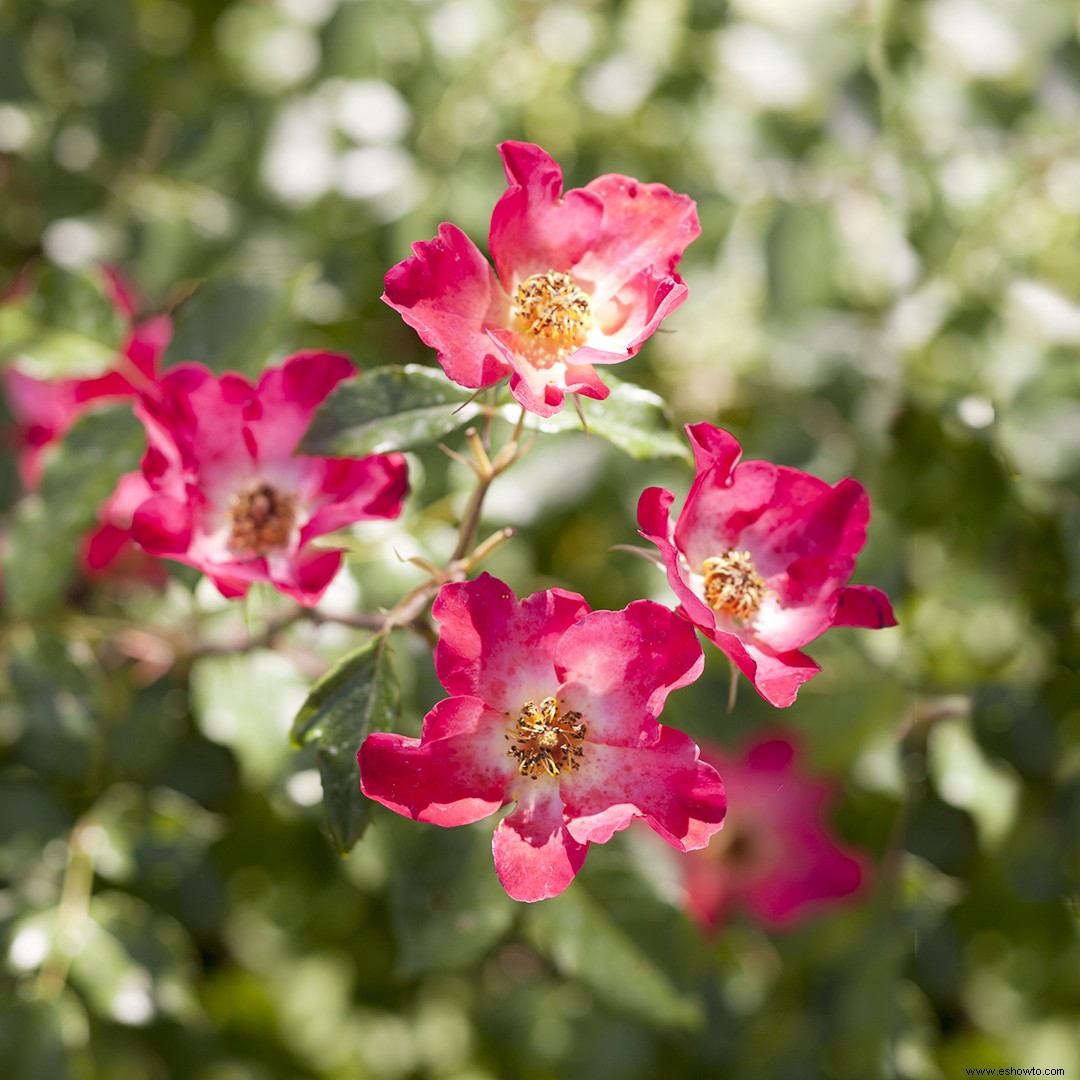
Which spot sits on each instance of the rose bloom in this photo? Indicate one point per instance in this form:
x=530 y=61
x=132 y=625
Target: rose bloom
x=580 y=278
x=775 y=858
x=554 y=708
x=227 y=493
x=759 y=558
x=44 y=409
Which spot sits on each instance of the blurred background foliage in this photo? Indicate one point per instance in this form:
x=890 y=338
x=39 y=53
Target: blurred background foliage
x=885 y=287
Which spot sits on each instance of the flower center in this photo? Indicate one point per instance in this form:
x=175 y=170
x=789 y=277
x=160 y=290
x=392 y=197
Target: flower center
x=551 y=307
x=262 y=519
x=546 y=739
x=732 y=584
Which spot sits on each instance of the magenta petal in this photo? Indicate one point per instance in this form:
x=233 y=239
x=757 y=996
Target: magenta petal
x=162 y=525
x=457 y=773
x=776 y=676
x=357 y=489
x=645 y=226
x=680 y=797
x=305 y=576
x=655 y=521
x=287 y=397
x=497 y=649
x=714 y=448
x=865 y=606
x=534 y=227
x=448 y=293
x=617 y=668
x=535 y=855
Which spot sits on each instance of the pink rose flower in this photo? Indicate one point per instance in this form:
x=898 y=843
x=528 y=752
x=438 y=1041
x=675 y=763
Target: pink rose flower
x=228 y=494
x=583 y=278
x=775 y=857
x=759 y=559
x=44 y=409
x=554 y=708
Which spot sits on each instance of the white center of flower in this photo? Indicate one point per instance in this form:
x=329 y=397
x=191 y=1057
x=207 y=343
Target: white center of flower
x=732 y=585
x=262 y=519
x=553 y=311
x=546 y=740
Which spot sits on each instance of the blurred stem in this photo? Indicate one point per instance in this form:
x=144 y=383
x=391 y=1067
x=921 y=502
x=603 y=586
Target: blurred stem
x=72 y=911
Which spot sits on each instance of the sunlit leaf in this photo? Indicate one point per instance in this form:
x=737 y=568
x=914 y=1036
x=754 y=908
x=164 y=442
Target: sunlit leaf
x=358 y=695
x=635 y=420
x=62 y=323
x=390 y=408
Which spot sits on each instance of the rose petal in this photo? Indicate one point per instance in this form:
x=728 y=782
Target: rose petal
x=458 y=772
x=617 y=668
x=499 y=650
x=535 y=855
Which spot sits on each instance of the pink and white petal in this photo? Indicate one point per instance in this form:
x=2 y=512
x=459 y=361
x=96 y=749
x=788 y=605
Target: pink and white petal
x=305 y=575
x=645 y=227
x=496 y=648
x=346 y=490
x=781 y=628
x=829 y=525
x=457 y=773
x=448 y=293
x=286 y=399
x=719 y=510
x=865 y=606
x=535 y=855
x=163 y=525
x=543 y=390
x=776 y=676
x=624 y=323
x=617 y=668
x=534 y=227
x=654 y=517
x=679 y=796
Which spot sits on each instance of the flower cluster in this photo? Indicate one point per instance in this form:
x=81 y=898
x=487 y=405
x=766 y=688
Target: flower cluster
x=552 y=707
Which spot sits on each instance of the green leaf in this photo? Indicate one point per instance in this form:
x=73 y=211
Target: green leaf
x=386 y=409
x=63 y=323
x=234 y=323
x=583 y=943
x=635 y=420
x=79 y=476
x=358 y=695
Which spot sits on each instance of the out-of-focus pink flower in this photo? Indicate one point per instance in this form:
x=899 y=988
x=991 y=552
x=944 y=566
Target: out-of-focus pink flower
x=555 y=708
x=775 y=857
x=583 y=278
x=110 y=550
x=759 y=558
x=44 y=409
x=228 y=494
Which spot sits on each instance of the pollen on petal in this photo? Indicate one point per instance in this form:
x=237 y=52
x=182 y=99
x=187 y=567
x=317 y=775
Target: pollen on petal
x=262 y=520
x=546 y=740
x=551 y=310
x=732 y=585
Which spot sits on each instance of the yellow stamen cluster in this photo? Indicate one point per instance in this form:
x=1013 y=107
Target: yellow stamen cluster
x=546 y=740
x=262 y=520
x=732 y=585
x=551 y=308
